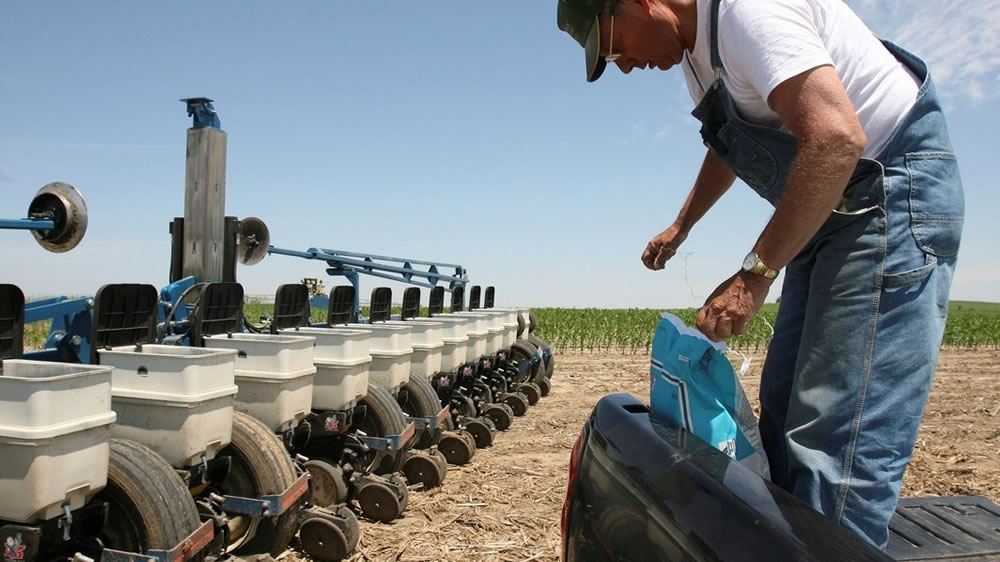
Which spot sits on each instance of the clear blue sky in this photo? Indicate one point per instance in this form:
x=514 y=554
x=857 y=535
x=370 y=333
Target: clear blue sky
x=456 y=131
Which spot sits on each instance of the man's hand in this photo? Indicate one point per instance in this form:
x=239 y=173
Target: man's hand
x=728 y=311
x=663 y=246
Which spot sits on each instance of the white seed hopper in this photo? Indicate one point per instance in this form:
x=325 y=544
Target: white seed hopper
x=427 y=341
x=494 y=328
x=478 y=332
x=391 y=352
x=274 y=373
x=178 y=401
x=509 y=325
x=55 y=423
x=455 y=342
x=342 y=360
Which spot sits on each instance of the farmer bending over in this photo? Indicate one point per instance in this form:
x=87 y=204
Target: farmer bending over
x=844 y=135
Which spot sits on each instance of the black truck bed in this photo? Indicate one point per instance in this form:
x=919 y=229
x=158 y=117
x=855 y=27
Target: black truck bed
x=952 y=528
x=646 y=490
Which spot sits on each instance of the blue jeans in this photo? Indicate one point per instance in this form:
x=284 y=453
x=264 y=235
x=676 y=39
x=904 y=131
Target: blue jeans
x=855 y=344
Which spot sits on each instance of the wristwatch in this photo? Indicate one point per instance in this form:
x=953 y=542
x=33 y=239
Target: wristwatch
x=752 y=264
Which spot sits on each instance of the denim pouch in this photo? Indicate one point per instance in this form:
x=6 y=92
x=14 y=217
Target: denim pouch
x=693 y=385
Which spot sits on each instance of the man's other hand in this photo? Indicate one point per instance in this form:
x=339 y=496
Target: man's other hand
x=662 y=247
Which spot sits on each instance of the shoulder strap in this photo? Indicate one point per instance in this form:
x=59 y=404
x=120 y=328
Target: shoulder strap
x=716 y=59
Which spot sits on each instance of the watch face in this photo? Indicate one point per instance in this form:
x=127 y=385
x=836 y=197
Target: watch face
x=749 y=261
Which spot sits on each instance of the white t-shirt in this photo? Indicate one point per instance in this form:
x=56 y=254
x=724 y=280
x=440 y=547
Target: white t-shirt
x=762 y=43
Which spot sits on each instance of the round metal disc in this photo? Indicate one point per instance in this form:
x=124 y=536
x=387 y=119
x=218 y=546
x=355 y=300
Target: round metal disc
x=480 y=432
x=518 y=402
x=499 y=416
x=61 y=203
x=328 y=485
x=254 y=241
x=545 y=386
x=422 y=469
x=531 y=391
x=323 y=541
x=379 y=502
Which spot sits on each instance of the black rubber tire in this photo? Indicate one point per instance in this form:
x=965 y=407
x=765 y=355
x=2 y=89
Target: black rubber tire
x=531 y=391
x=532 y=322
x=323 y=540
x=149 y=505
x=523 y=351
x=549 y=364
x=545 y=386
x=536 y=341
x=383 y=418
x=421 y=402
x=259 y=459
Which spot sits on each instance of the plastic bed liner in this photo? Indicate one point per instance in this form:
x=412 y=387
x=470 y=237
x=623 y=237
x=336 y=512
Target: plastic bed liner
x=946 y=528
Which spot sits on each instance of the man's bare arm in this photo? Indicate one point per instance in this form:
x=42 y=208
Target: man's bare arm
x=815 y=107
x=713 y=180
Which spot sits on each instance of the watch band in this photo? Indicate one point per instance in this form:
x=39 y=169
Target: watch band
x=760 y=268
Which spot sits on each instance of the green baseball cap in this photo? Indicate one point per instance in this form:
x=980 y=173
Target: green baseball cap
x=579 y=19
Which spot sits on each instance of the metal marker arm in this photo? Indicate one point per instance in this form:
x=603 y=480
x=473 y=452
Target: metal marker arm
x=27 y=224
x=391 y=442
x=185 y=550
x=267 y=506
x=432 y=422
x=370 y=264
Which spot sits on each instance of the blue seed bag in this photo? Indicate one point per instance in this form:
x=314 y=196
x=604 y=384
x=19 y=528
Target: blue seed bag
x=693 y=385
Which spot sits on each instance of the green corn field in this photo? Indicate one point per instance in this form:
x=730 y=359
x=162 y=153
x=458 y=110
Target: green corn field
x=970 y=326
x=630 y=330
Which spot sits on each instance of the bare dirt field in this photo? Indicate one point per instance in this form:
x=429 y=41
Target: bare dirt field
x=505 y=504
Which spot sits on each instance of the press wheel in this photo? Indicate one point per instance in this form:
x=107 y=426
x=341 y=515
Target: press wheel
x=500 y=417
x=323 y=541
x=422 y=469
x=328 y=484
x=457 y=449
x=531 y=391
x=480 y=432
x=379 y=502
x=517 y=402
x=545 y=386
